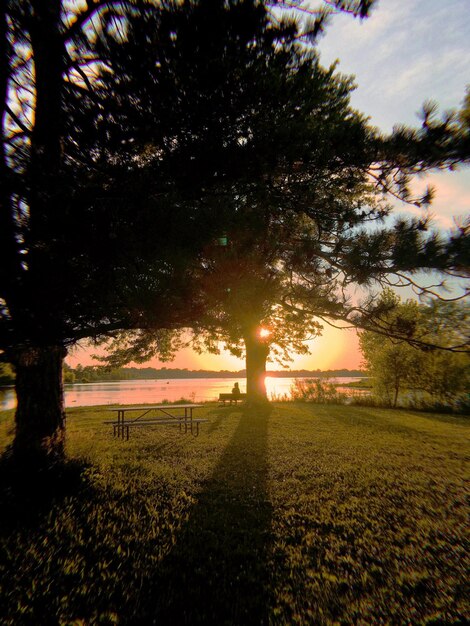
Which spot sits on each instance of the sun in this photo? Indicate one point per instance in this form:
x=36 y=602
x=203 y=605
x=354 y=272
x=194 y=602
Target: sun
x=264 y=332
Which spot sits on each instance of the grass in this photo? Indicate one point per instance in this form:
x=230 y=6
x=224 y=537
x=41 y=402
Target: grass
x=304 y=515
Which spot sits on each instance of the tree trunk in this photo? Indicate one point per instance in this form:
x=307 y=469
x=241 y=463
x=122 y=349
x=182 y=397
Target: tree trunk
x=257 y=352
x=40 y=413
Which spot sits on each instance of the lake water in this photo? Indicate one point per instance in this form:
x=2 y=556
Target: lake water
x=157 y=391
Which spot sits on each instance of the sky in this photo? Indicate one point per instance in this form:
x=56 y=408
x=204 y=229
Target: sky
x=407 y=52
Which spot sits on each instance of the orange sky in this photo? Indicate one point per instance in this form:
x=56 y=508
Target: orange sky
x=335 y=349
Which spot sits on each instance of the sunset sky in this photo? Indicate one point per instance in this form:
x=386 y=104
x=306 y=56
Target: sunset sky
x=406 y=53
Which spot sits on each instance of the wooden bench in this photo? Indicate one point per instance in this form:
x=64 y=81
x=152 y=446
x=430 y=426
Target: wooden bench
x=231 y=397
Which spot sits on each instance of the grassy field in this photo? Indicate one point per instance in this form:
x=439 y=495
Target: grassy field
x=303 y=515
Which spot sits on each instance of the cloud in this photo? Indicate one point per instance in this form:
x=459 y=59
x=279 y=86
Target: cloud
x=451 y=201
x=405 y=53
x=429 y=74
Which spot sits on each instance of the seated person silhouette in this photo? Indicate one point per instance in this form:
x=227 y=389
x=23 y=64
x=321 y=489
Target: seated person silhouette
x=236 y=390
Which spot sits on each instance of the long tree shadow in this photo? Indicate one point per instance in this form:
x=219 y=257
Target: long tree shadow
x=220 y=415
x=216 y=573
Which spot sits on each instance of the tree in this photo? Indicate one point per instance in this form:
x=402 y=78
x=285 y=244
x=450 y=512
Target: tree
x=305 y=205
x=38 y=266
x=234 y=148
x=84 y=247
x=397 y=366
x=389 y=362
x=269 y=290
x=242 y=286
x=246 y=171
x=442 y=374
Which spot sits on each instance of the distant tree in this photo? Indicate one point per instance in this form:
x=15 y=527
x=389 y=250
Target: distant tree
x=242 y=286
x=266 y=293
x=443 y=374
x=68 y=375
x=389 y=362
x=397 y=366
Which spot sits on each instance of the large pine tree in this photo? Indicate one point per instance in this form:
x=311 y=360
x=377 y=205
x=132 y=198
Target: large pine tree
x=298 y=181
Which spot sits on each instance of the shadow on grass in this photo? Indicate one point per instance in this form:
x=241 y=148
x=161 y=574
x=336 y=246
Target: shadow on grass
x=379 y=420
x=28 y=493
x=216 y=572
x=220 y=415
x=402 y=422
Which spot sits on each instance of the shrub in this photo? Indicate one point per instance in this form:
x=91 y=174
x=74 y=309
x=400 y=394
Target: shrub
x=316 y=390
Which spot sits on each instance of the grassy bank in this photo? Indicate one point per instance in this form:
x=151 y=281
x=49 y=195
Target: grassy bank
x=307 y=515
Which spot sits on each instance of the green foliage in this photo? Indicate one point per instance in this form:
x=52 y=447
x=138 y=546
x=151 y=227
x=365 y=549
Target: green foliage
x=416 y=367
x=312 y=514
x=68 y=375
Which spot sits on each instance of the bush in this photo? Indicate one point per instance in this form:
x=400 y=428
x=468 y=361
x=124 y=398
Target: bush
x=459 y=405
x=316 y=390
x=366 y=399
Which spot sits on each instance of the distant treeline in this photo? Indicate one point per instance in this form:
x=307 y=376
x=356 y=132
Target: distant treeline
x=99 y=373
x=91 y=373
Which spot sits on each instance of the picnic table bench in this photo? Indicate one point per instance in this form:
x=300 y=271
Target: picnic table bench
x=180 y=415
x=231 y=397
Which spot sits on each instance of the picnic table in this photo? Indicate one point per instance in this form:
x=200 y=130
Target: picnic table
x=180 y=415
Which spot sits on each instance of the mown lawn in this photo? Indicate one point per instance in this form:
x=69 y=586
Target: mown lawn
x=306 y=515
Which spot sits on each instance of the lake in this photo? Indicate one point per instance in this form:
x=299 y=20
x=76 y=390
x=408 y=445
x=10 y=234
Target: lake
x=157 y=391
